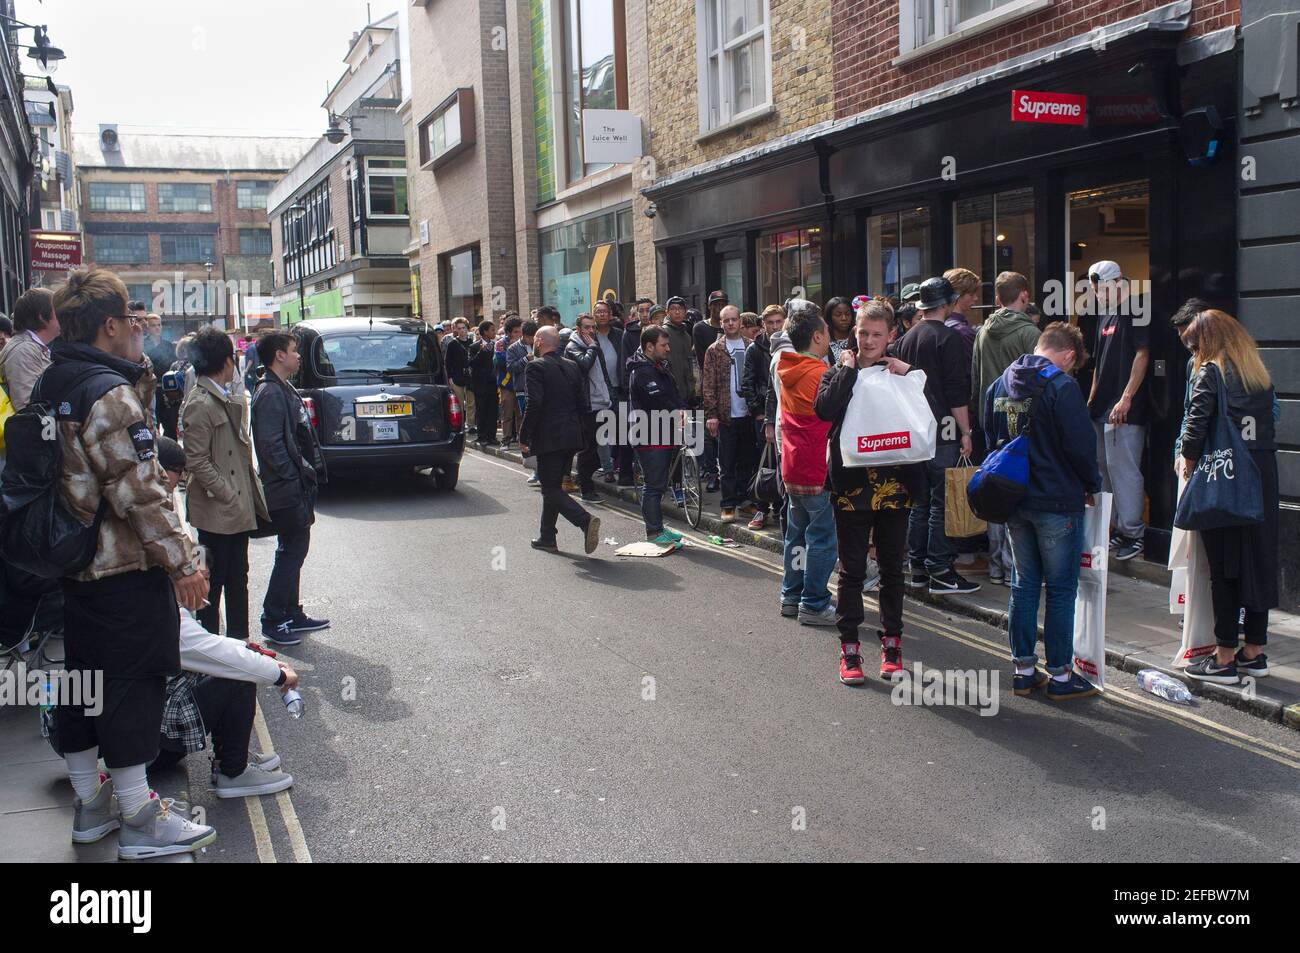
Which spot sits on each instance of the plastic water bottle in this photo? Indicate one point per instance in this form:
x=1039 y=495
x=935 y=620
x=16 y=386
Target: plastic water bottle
x=293 y=702
x=1158 y=683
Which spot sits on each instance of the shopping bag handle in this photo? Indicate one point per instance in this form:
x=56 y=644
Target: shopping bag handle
x=964 y=461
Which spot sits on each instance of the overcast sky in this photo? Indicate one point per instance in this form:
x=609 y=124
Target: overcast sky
x=234 y=66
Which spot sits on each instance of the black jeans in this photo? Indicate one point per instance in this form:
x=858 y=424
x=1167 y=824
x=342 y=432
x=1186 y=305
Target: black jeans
x=854 y=531
x=736 y=454
x=588 y=456
x=1226 y=595
x=227 y=708
x=655 y=465
x=552 y=468
x=228 y=574
x=282 y=597
x=486 y=410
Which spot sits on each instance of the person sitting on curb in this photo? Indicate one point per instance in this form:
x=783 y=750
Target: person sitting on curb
x=1037 y=395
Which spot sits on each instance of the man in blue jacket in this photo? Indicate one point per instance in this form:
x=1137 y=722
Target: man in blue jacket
x=1036 y=395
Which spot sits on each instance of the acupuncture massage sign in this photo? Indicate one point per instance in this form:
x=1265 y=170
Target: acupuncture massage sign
x=1062 y=109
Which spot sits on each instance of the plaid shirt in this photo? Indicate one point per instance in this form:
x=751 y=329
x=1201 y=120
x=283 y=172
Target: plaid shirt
x=181 y=719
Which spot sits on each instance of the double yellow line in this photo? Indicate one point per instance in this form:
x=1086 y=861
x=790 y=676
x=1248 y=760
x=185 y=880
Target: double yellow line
x=257 y=817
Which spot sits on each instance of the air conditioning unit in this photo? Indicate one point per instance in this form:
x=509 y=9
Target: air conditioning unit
x=108 y=141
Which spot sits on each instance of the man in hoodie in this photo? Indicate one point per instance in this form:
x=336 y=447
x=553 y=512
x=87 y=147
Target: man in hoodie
x=681 y=355
x=810 y=547
x=870 y=504
x=654 y=399
x=1005 y=336
x=1037 y=395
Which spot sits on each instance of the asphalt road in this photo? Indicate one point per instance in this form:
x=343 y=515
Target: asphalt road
x=479 y=700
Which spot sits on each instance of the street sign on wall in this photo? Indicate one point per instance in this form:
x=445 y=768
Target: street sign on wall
x=610 y=135
x=56 y=251
x=1062 y=109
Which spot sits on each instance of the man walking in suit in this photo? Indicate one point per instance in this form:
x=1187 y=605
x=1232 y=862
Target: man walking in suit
x=557 y=403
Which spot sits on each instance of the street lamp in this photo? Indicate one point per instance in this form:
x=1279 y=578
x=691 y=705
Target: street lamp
x=43 y=52
x=301 y=211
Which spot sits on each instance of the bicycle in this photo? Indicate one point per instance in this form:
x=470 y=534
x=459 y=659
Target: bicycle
x=687 y=468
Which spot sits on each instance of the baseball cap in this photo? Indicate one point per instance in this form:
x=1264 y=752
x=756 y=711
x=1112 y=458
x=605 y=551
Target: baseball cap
x=675 y=299
x=1104 y=271
x=910 y=292
x=656 y=309
x=718 y=296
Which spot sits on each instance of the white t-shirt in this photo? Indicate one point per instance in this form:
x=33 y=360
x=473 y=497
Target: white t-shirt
x=736 y=351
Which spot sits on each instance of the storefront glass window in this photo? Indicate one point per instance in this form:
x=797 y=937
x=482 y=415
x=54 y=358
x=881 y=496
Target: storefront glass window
x=789 y=260
x=462 y=289
x=1110 y=223
x=594 y=78
x=898 y=249
x=586 y=261
x=995 y=233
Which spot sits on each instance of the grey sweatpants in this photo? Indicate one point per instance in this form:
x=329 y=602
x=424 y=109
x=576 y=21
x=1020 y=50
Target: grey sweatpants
x=1119 y=455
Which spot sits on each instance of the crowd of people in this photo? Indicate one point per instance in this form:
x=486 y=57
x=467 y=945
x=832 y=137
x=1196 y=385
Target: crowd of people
x=145 y=613
x=785 y=378
x=147 y=609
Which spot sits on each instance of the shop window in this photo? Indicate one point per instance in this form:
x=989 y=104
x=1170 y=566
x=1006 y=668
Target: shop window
x=587 y=260
x=188 y=197
x=462 y=289
x=386 y=188
x=1110 y=224
x=595 y=74
x=117 y=197
x=735 y=70
x=938 y=22
x=995 y=233
x=898 y=249
x=790 y=263
x=448 y=130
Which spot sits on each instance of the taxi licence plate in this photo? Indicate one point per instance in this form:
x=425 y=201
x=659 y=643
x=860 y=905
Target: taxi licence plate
x=384 y=430
x=394 y=408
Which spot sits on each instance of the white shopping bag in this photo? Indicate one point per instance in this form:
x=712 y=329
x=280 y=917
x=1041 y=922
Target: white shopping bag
x=1090 y=603
x=888 y=420
x=1190 y=591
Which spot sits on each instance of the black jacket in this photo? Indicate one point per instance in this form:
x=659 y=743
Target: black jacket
x=651 y=386
x=629 y=348
x=482 y=376
x=757 y=375
x=833 y=395
x=288 y=453
x=456 y=356
x=556 y=405
x=1204 y=407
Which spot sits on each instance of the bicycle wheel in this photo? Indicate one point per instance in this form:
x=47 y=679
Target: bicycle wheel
x=639 y=477
x=692 y=489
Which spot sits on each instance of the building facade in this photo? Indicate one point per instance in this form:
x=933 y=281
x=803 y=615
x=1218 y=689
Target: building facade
x=182 y=219
x=16 y=169
x=339 y=217
x=55 y=185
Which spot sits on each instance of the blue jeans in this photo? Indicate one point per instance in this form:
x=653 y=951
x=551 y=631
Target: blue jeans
x=654 y=469
x=928 y=545
x=1045 y=549
x=810 y=551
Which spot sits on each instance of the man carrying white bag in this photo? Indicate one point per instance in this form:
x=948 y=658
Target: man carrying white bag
x=888 y=420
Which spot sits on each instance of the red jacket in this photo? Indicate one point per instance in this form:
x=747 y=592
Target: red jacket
x=803 y=434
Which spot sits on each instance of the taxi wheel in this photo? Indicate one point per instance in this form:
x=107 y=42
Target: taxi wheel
x=444 y=478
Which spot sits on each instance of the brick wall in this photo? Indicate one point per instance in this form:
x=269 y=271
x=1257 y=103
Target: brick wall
x=802 y=68
x=866 y=36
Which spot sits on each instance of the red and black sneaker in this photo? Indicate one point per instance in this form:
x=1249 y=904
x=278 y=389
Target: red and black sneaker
x=891 y=656
x=851 y=664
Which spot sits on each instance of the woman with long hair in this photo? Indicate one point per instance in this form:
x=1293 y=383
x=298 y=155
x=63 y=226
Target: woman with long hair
x=1243 y=560
x=840 y=321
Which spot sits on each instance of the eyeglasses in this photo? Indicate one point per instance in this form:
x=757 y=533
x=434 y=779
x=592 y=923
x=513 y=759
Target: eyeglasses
x=133 y=320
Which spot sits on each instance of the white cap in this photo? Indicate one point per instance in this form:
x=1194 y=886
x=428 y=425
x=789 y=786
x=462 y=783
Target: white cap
x=1104 y=271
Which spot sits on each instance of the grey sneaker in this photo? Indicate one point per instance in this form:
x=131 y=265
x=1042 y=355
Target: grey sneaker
x=789 y=609
x=253 y=782
x=873 y=576
x=155 y=830
x=95 y=819
x=267 y=762
x=826 y=617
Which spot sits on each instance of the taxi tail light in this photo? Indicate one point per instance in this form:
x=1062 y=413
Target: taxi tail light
x=455 y=412
x=310 y=404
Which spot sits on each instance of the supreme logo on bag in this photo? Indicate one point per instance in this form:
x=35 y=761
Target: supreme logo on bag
x=1085 y=561
x=873 y=443
x=1085 y=666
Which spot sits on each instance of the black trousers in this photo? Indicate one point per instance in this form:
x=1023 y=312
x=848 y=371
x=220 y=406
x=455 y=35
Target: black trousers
x=855 y=531
x=736 y=453
x=227 y=708
x=588 y=456
x=1226 y=593
x=282 y=596
x=228 y=574
x=551 y=471
x=487 y=409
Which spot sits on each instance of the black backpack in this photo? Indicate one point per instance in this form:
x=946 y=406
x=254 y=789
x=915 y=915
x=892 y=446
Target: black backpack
x=37 y=533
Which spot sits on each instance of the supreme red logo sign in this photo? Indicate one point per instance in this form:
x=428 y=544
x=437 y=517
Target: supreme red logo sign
x=1064 y=109
x=870 y=443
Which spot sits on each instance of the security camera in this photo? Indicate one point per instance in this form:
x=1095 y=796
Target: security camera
x=651 y=210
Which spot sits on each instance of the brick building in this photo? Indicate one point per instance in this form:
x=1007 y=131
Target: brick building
x=339 y=217
x=159 y=209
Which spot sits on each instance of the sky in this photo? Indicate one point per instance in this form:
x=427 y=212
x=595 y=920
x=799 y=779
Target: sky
x=251 y=67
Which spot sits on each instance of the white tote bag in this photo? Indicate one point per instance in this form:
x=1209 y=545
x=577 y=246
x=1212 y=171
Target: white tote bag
x=1189 y=593
x=888 y=420
x=1090 y=602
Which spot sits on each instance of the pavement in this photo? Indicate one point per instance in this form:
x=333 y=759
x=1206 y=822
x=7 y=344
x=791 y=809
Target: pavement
x=478 y=700
x=1141 y=632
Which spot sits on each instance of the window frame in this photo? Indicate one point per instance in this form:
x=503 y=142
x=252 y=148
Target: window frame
x=165 y=237
x=462 y=100
x=258 y=185
x=948 y=30
x=133 y=186
x=248 y=232
x=198 y=210
x=98 y=258
x=704 y=55
x=569 y=39
x=388 y=173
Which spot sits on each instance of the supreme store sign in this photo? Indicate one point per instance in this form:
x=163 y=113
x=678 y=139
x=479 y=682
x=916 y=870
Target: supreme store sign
x=1064 y=109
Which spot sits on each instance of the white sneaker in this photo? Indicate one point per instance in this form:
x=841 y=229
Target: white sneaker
x=873 y=576
x=95 y=819
x=154 y=830
x=253 y=782
x=824 y=618
x=267 y=762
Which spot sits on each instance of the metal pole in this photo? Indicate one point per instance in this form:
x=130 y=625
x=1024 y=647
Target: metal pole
x=302 y=301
